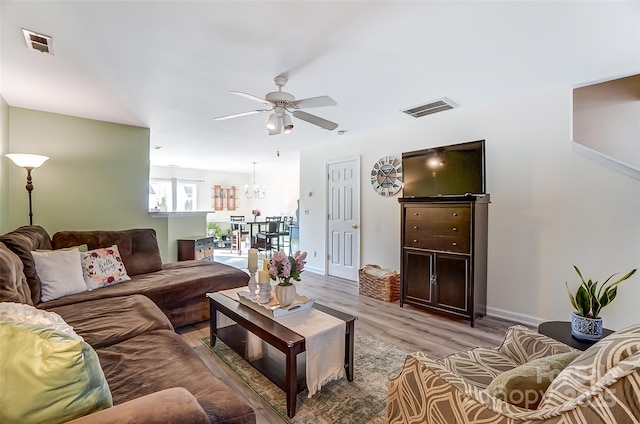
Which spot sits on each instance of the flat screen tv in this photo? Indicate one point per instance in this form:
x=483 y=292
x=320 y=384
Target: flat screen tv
x=454 y=170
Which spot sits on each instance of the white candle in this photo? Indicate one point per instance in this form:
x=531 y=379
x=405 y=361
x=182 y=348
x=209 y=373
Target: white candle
x=265 y=264
x=263 y=277
x=253 y=259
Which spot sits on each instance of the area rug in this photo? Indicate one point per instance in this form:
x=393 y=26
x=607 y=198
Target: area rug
x=364 y=400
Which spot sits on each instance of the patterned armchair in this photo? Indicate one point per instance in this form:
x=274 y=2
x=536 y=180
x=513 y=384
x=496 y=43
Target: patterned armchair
x=602 y=385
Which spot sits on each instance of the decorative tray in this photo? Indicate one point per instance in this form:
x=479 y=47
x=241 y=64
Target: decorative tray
x=273 y=308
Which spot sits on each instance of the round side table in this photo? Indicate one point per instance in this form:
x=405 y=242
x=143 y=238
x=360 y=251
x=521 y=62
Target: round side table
x=561 y=331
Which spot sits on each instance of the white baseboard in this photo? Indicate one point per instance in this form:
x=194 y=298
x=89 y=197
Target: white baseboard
x=315 y=270
x=515 y=316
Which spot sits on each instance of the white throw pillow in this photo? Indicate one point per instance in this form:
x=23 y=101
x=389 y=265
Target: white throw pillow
x=26 y=314
x=60 y=273
x=103 y=267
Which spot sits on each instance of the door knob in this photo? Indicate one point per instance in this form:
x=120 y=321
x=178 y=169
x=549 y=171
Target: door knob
x=354 y=226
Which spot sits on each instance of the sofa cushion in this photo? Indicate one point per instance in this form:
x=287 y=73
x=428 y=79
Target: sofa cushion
x=48 y=376
x=138 y=247
x=22 y=241
x=478 y=366
x=60 y=273
x=14 y=287
x=178 y=289
x=104 y=322
x=81 y=247
x=103 y=267
x=522 y=345
x=27 y=314
x=170 y=406
x=525 y=385
x=159 y=360
x=599 y=366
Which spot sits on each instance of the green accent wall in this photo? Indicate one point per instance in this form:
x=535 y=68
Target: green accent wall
x=97 y=176
x=4 y=166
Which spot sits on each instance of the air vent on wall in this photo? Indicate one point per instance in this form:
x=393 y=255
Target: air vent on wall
x=429 y=108
x=38 y=42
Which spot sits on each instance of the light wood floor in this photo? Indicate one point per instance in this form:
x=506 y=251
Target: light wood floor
x=409 y=328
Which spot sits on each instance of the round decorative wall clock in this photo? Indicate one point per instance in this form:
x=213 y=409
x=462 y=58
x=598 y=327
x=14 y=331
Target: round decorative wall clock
x=386 y=176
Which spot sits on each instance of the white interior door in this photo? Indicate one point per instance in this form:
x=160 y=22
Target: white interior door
x=344 y=218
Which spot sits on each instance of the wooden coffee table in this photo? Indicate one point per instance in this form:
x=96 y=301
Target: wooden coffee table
x=291 y=379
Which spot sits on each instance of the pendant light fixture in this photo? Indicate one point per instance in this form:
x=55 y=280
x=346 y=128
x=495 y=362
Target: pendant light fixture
x=257 y=192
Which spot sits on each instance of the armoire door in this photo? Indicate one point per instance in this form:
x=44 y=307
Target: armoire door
x=452 y=285
x=419 y=272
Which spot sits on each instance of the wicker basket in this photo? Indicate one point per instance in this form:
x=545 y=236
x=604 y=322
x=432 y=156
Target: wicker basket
x=379 y=283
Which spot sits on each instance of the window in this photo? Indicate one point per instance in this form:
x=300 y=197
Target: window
x=160 y=196
x=187 y=197
x=172 y=195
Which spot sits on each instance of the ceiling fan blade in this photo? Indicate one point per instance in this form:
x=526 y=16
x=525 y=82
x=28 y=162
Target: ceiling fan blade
x=315 y=120
x=313 y=102
x=252 y=97
x=237 y=115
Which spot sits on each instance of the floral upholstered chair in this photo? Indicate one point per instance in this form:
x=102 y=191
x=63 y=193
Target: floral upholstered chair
x=601 y=385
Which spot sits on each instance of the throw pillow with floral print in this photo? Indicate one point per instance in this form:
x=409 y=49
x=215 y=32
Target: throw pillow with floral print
x=103 y=267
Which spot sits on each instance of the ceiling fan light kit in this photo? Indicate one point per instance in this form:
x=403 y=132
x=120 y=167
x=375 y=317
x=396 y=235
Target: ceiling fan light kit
x=286 y=122
x=273 y=123
x=279 y=103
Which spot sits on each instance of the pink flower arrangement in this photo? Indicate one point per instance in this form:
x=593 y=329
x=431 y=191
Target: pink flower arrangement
x=255 y=212
x=283 y=268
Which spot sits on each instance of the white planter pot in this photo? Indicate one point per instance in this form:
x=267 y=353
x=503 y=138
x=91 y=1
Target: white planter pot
x=583 y=328
x=285 y=295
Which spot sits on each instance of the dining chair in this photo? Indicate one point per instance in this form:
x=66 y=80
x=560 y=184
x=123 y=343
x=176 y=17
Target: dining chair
x=269 y=238
x=237 y=234
x=285 y=233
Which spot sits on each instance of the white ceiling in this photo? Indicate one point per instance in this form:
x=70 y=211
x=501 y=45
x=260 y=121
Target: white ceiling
x=169 y=65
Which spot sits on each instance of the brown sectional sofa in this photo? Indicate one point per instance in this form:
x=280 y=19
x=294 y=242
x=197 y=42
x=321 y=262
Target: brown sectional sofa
x=177 y=288
x=154 y=376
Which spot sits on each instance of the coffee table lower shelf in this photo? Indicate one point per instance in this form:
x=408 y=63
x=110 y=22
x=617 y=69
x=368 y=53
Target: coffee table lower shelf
x=235 y=337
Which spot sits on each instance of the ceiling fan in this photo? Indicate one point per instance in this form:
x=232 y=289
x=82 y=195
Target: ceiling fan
x=279 y=103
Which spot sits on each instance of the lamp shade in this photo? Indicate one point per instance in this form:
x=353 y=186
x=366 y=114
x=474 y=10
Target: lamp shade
x=288 y=125
x=25 y=160
x=273 y=123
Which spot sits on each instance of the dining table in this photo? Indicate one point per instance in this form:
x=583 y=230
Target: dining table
x=252 y=225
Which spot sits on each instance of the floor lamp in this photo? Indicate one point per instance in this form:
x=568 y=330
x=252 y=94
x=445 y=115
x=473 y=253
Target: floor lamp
x=28 y=162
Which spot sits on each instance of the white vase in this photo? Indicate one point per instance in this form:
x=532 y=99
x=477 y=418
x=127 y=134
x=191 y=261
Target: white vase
x=285 y=295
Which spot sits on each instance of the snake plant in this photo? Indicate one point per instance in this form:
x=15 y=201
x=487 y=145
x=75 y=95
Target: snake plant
x=590 y=297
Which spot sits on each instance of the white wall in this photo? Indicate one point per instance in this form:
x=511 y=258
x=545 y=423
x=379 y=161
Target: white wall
x=551 y=208
x=606 y=118
x=605 y=130
x=282 y=187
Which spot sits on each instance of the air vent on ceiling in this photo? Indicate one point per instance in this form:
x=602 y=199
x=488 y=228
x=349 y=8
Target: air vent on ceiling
x=38 y=42
x=429 y=108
